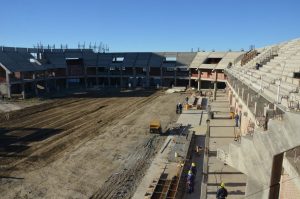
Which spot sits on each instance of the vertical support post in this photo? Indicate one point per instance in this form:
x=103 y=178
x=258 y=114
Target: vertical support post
x=278 y=92
x=242 y=93
x=248 y=96
x=121 y=77
x=161 y=76
x=35 y=84
x=108 y=76
x=67 y=75
x=23 y=86
x=190 y=74
x=175 y=76
x=23 y=91
x=46 y=82
x=148 y=76
x=8 y=85
x=55 y=84
x=215 y=86
x=199 y=79
x=134 y=77
x=97 y=77
x=255 y=108
x=85 y=77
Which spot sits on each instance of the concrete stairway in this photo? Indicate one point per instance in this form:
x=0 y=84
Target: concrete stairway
x=254 y=154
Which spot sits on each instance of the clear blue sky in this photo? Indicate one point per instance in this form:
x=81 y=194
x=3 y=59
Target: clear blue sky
x=150 y=25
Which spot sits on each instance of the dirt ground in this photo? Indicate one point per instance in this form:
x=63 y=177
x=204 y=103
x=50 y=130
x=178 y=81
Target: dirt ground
x=88 y=146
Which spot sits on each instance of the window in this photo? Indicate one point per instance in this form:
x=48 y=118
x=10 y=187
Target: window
x=297 y=75
x=170 y=59
x=212 y=60
x=118 y=59
x=169 y=69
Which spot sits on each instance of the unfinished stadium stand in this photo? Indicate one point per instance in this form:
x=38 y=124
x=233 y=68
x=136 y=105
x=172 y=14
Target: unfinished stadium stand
x=268 y=99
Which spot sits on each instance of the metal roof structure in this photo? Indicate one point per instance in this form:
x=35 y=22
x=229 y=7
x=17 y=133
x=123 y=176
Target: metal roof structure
x=32 y=59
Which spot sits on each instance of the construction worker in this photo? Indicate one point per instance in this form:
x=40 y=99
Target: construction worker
x=190 y=181
x=194 y=169
x=237 y=118
x=180 y=107
x=186 y=99
x=222 y=192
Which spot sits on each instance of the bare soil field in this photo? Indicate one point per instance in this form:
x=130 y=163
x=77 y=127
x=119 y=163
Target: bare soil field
x=86 y=146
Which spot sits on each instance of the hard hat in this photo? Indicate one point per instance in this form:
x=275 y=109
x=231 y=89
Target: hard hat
x=190 y=172
x=222 y=184
x=193 y=164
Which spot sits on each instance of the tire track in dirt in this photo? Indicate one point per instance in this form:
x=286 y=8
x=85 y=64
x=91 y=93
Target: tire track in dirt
x=57 y=145
x=40 y=116
x=125 y=181
x=30 y=112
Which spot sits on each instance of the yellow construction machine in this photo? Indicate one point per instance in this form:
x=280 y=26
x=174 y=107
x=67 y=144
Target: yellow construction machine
x=155 y=126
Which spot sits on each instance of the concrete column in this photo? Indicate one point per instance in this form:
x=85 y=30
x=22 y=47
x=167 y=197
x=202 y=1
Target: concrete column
x=108 y=76
x=46 y=82
x=199 y=79
x=121 y=78
x=242 y=93
x=215 y=86
x=8 y=85
x=190 y=78
x=248 y=96
x=134 y=77
x=67 y=75
x=161 y=76
x=175 y=77
x=85 y=77
x=55 y=83
x=97 y=77
x=23 y=86
x=23 y=91
x=255 y=108
x=278 y=92
x=148 y=76
x=34 y=85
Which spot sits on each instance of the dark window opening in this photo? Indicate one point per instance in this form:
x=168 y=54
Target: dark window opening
x=212 y=60
x=297 y=75
x=75 y=66
x=170 y=69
